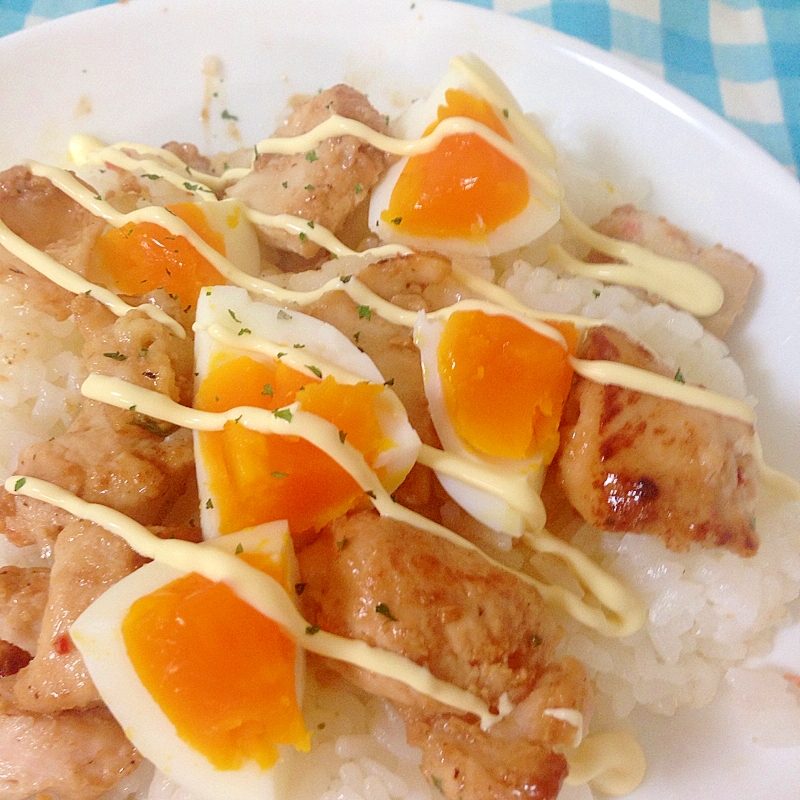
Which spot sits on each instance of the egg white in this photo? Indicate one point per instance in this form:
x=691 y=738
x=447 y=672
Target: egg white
x=97 y=634
x=321 y=345
x=542 y=212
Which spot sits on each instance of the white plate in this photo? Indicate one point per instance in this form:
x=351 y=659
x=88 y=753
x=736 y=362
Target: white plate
x=135 y=71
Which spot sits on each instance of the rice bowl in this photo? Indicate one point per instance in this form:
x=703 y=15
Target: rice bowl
x=60 y=382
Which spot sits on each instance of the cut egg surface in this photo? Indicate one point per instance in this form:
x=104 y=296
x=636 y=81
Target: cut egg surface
x=220 y=721
x=466 y=196
x=252 y=354
x=140 y=257
x=496 y=385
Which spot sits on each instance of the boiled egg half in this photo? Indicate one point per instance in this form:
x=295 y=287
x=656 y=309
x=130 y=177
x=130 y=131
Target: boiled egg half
x=496 y=383
x=204 y=685
x=253 y=354
x=474 y=193
x=141 y=256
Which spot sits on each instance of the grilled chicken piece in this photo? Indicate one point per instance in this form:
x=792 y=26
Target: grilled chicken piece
x=87 y=560
x=23 y=596
x=635 y=462
x=112 y=456
x=75 y=755
x=324 y=185
x=45 y=217
x=471 y=624
x=733 y=271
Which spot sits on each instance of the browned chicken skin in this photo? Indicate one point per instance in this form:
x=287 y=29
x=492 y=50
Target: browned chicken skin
x=635 y=462
x=471 y=624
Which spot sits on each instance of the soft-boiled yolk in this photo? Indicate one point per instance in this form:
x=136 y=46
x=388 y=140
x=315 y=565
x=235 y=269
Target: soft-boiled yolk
x=221 y=672
x=257 y=477
x=140 y=257
x=464 y=188
x=504 y=384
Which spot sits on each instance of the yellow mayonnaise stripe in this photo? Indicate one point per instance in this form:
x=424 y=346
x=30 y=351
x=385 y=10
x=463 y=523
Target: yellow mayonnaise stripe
x=640 y=380
x=342 y=126
x=68 y=279
x=259 y=590
x=678 y=282
x=159 y=215
x=489 y=86
x=618 y=614
x=513 y=489
x=253 y=343
x=88 y=150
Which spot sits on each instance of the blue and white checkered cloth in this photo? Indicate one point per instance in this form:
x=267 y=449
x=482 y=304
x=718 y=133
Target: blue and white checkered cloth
x=741 y=58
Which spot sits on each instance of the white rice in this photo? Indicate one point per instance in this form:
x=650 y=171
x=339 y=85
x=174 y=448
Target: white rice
x=708 y=611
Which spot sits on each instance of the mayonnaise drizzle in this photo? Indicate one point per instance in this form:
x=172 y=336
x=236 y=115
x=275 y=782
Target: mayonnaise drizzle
x=679 y=282
x=611 y=762
x=641 y=380
x=261 y=591
x=620 y=612
x=67 y=279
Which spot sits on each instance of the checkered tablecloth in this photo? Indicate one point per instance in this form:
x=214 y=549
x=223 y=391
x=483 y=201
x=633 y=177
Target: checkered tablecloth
x=741 y=58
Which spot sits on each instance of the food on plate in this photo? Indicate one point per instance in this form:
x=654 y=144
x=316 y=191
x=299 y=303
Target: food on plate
x=313 y=502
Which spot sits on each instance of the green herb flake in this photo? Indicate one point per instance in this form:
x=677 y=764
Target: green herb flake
x=151 y=176
x=505 y=113
x=312 y=629
x=309 y=187
x=342 y=436
x=278 y=474
x=19 y=484
x=298 y=346
x=303 y=237
x=316 y=370
x=359 y=188
x=143 y=351
x=341 y=543
x=382 y=608
x=679 y=376
x=285 y=184
x=596 y=292
x=239 y=549
x=116 y=356
x=364 y=312
x=283 y=413
x=390 y=382
x=311 y=155
x=233 y=315
x=345 y=278
x=244 y=330
x=283 y=314
x=397 y=220
x=209 y=503
x=310 y=223
x=356 y=336
x=280 y=355
x=437 y=782
x=370 y=493
x=267 y=391
x=227 y=115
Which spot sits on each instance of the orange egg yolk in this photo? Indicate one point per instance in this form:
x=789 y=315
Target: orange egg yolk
x=256 y=477
x=504 y=384
x=463 y=189
x=141 y=257
x=222 y=673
